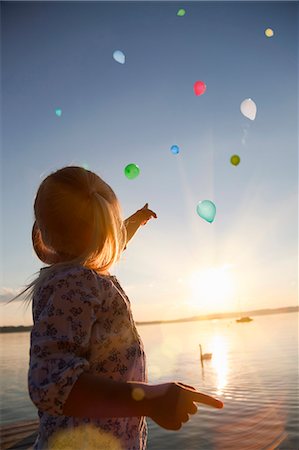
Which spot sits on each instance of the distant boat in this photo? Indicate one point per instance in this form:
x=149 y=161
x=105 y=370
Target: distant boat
x=244 y=319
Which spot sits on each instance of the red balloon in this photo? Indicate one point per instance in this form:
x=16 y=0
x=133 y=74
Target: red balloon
x=199 y=88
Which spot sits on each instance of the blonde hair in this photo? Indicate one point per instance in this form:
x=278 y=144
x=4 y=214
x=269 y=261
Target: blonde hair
x=77 y=221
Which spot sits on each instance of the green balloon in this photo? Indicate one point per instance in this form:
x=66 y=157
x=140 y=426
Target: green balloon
x=235 y=160
x=181 y=12
x=206 y=210
x=132 y=171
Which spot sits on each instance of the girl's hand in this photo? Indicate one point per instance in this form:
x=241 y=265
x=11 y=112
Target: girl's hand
x=140 y=217
x=144 y=214
x=173 y=402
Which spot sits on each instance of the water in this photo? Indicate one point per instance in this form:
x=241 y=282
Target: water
x=254 y=371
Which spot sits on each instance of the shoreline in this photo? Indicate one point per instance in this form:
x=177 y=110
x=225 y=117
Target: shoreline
x=218 y=316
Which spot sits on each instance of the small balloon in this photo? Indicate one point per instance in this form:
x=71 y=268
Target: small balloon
x=199 y=87
x=206 y=210
x=269 y=32
x=181 y=12
x=132 y=171
x=248 y=108
x=58 y=112
x=235 y=160
x=175 y=149
x=119 y=56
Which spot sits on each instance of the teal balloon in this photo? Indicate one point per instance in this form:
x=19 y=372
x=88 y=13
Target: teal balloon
x=132 y=171
x=58 y=112
x=206 y=210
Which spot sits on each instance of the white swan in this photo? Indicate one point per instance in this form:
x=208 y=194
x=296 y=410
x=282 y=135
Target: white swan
x=204 y=356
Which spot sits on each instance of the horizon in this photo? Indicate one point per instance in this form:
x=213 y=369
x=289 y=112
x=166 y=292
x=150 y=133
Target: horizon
x=59 y=56
x=213 y=316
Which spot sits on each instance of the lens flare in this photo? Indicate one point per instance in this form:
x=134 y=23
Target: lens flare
x=83 y=437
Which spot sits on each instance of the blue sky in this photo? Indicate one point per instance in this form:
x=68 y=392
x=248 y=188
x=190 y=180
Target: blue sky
x=59 y=55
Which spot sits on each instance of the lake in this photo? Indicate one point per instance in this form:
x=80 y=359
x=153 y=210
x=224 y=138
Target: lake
x=253 y=370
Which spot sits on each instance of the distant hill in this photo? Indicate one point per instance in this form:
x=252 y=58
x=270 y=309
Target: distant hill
x=257 y=312
x=228 y=315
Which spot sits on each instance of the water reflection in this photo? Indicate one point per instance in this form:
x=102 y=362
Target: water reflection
x=254 y=370
x=220 y=361
x=262 y=429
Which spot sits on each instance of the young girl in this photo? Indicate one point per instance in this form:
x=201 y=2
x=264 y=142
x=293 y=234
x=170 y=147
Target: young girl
x=87 y=362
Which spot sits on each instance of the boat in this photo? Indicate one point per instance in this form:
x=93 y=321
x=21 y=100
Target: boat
x=244 y=319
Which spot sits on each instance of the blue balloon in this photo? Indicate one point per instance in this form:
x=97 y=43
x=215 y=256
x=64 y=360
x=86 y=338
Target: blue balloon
x=206 y=210
x=175 y=149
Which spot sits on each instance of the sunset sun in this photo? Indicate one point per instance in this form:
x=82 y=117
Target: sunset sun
x=213 y=287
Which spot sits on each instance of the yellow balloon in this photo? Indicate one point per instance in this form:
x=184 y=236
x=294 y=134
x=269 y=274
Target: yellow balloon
x=269 y=32
x=235 y=160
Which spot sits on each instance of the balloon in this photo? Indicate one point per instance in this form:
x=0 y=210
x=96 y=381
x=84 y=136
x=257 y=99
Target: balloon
x=119 y=56
x=181 y=12
x=175 y=149
x=269 y=32
x=132 y=171
x=206 y=210
x=58 y=112
x=235 y=160
x=248 y=108
x=199 y=87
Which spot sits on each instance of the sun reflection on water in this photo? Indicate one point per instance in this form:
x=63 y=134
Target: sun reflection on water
x=220 y=361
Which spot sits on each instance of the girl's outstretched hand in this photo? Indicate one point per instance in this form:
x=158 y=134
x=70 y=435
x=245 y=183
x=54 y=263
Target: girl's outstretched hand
x=173 y=402
x=140 y=217
x=144 y=214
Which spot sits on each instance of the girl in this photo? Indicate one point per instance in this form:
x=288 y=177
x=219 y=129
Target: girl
x=87 y=363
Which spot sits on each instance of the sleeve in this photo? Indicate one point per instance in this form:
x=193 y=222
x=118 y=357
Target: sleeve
x=60 y=338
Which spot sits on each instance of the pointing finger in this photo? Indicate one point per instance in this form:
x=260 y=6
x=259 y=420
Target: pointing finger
x=206 y=399
x=186 y=385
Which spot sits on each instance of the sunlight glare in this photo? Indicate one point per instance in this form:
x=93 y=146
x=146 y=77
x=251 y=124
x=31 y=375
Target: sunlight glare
x=213 y=288
x=219 y=362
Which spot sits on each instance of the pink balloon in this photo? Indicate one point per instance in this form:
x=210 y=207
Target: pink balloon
x=199 y=87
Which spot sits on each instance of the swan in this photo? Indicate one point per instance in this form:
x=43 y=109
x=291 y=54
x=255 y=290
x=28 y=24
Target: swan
x=204 y=356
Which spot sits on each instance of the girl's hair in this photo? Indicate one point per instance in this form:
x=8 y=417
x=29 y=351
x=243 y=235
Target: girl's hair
x=77 y=221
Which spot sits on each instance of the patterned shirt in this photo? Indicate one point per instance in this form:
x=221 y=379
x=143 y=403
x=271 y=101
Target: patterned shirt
x=82 y=322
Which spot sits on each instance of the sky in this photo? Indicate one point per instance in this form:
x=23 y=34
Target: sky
x=59 y=55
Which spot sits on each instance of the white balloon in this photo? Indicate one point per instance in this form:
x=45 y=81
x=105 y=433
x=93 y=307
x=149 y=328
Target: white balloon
x=119 y=56
x=248 y=108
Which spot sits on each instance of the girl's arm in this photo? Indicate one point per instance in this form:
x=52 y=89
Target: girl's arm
x=167 y=404
x=94 y=396
x=140 y=217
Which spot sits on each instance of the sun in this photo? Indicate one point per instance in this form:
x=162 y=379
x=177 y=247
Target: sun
x=213 y=288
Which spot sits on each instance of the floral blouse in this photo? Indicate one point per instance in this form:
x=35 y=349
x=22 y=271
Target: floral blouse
x=82 y=322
